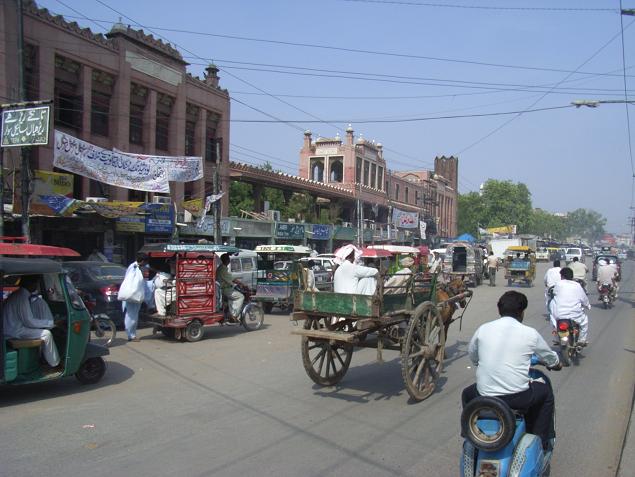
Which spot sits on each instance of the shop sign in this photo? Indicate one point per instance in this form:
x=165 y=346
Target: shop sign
x=320 y=232
x=26 y=127
x=160 y=218
x=47 y=184
x=289 y=231
x=345 y=233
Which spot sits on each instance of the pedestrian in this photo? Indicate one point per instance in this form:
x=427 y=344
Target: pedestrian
x=132 y=294
x=492 y=268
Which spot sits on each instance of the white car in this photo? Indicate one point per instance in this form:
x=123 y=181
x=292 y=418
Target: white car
x=574 y=252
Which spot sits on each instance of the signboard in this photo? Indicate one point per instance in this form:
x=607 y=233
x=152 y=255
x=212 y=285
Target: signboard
x=26 y=127
x=405 y=220
x=160 y=218
x=47 y=184
x=289 y=231
x=321 y=232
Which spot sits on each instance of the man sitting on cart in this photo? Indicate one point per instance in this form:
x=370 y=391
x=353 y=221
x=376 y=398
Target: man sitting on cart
x=226 y=280
x=398 y=282
x=352 y=278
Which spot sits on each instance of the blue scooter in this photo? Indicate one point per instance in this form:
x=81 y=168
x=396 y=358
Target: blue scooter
x=497 y=443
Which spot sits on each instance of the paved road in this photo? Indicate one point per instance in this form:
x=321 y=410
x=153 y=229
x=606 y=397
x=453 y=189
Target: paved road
x=240 y=404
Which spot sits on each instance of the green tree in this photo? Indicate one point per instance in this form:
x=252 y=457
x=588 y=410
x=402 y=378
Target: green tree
x=506 y=203
x=586 y=224
x=241 y=197
x=545 y=224
x=470 y=213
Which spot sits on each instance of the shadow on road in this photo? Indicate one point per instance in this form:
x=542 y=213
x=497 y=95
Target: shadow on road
x=17 y=394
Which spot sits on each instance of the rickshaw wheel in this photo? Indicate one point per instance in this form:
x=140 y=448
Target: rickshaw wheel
x=422 y=352
x=253 y=317
x=194 y=331
x=325 y=361
x=91 y=370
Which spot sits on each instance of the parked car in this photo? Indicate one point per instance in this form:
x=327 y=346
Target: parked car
x=99 y=283
x=326 y=260
x=609 y=258
x=542 y=254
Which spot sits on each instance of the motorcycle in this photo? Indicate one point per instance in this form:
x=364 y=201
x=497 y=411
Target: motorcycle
x=607 y=296
x=582 y=284
x=251 y=315
x=102 y=328
x=568 y=335
x=496 y=441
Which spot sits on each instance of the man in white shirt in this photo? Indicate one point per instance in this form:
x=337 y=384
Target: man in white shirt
x=28 y=317
x=551 y=278
x=579 y=271
x=502 y=351
x=492 y=268
x=607 y=275
x=569 y=302
x=355 y=279
x=398 y=282
x=435 y=264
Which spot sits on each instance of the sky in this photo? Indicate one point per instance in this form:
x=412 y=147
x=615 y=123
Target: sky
x=424 y=78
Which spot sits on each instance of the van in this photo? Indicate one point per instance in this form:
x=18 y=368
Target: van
x=574 y=252
x=244 y=267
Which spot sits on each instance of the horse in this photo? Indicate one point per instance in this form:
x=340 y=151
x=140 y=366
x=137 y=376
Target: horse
x=446 y=291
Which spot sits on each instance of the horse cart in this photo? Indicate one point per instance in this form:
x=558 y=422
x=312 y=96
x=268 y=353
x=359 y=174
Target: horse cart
x=413 y=323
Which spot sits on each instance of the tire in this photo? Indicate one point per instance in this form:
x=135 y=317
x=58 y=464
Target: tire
x=422 y=351
x=252 y=317
x=267 y=307
x=91 y=370
x=105 y=330
x=564 y=355
x=316 y=352
x=504 y=415
x=194 y=331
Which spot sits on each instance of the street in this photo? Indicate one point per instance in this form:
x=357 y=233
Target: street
x=240 y=404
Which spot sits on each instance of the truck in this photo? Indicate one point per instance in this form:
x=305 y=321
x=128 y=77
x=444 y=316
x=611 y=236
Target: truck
x=499 y=245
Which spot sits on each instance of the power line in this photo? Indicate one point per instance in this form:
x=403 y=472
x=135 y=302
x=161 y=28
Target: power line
x=334 y=48
x=628 y=119
x=485 y=7
x=495 y=130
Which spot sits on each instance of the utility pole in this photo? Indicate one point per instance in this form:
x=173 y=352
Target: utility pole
x=218 y=238
x=25 y=169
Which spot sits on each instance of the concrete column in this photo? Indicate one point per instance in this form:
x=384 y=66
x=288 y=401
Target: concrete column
x=119 y=126
x=87 y=100
x=150 y=123
x=177 y=137
x=201 y=127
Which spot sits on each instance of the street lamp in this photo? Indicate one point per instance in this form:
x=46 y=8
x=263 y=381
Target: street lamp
x=594 y=103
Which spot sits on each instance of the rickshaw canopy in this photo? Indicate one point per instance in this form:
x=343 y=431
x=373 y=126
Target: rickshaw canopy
x=396 y=249
x=171 y=249
x=299 y=249
x=375 y=253
x=520 y=248
x=28 y=266
x=30 y=249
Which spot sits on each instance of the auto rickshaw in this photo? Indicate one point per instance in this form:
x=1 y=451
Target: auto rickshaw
x=520 y=265
x=278 y=274
x=195 y=299
x=20 y=361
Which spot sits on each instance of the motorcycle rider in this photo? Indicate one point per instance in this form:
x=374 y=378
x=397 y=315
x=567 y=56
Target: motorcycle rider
x=579 y=272
x=226 y=280
x=607 y=275
x=569 y=302
x=551 y=278
x=502 y=350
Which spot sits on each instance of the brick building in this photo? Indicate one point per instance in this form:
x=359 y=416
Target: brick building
x=359 y=166
x=124 y=90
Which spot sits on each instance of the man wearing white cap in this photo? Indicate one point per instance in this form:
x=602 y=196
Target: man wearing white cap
x=352 y=278
x=397 y=283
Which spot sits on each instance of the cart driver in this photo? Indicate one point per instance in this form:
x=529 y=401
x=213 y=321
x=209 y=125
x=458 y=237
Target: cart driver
x=226 y=280
x=27 y=316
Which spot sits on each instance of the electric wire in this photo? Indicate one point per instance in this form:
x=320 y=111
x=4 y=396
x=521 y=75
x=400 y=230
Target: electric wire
x=485 y=7
x=628 y=119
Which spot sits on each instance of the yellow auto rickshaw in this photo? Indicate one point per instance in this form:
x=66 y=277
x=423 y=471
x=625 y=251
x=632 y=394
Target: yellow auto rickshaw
x=520 y=265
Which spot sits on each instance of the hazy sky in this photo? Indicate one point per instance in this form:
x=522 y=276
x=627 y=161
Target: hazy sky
x=436 y=61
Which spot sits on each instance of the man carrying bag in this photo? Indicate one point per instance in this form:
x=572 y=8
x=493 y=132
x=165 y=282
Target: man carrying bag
x=132 y=294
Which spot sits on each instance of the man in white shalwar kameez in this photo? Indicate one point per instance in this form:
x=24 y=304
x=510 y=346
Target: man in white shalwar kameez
x=397 y=283
x=28 y=317
x=352 y=278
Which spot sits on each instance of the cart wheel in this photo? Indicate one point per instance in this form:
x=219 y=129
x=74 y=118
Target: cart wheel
x=91 y=370
x=325 y=361
x=194 y=331
x=267 y=307
x=422 y=352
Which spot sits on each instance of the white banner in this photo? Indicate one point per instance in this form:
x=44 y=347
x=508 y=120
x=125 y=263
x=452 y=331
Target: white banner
x=209 y=200
x=180 y=168
x=86 y=159
x=422 y=229
x=405 y=220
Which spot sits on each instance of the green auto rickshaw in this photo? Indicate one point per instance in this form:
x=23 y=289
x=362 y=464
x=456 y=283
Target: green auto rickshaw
x=20 y=360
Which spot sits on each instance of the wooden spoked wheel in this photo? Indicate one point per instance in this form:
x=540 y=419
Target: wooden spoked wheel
x=326 y=360
x=422 y=352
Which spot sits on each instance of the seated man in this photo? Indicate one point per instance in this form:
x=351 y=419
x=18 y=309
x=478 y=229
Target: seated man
x=569 y=301
x=164 y=289
x=502 y=350
x=352 y=278
x=397 y=283
x=226 y=280
x=607 y=275
x=27 y=316
x=310 y=276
